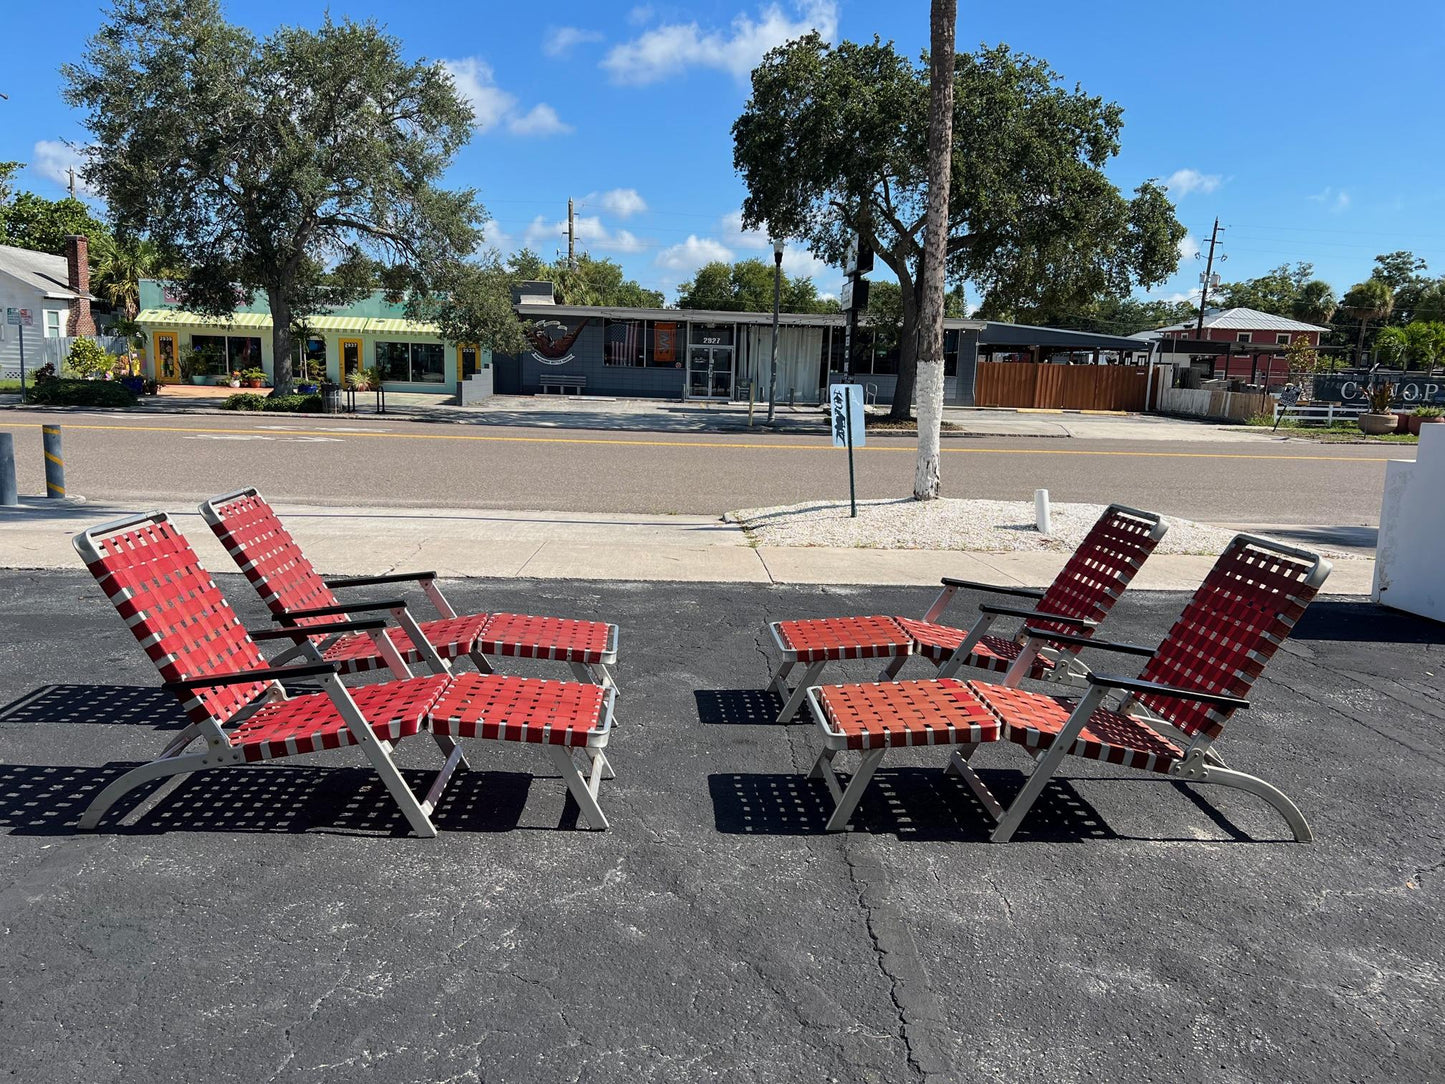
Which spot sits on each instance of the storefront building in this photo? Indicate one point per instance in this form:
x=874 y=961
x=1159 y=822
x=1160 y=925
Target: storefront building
x=374 y=333
x=700 y=354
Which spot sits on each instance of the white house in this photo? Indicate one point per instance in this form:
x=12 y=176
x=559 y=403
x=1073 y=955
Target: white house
x=56 y=291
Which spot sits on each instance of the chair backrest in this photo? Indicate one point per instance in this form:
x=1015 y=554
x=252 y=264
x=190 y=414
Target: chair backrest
x=265 y=551
x=1104 y=563
x=1232 y=627
x=157 y=585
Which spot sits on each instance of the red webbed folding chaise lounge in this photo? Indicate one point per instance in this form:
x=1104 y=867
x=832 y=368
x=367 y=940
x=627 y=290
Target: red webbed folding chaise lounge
x=1081 y=596
x=1165 y=721
x=238 y=706
x=297 y=595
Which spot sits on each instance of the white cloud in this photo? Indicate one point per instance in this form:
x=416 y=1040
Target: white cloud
x=52 y=160
x=797 y=260
x=592 y=233
x=492 y=106
x=1184 y=181
x=640 y=14
x=561 y=40
x=691 y=254
x=622 y=202
x=1188 y=246
x=493 y=236
x=1334 y=199
x=540 y=120
x=673 y=48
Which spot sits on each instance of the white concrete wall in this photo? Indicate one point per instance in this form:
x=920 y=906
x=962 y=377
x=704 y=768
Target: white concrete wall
x=1204 y=403
x=1409 y=572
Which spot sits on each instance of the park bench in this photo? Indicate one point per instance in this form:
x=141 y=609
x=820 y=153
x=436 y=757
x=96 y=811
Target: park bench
x=240 y=707
x=564 y=383
x=1081 y=596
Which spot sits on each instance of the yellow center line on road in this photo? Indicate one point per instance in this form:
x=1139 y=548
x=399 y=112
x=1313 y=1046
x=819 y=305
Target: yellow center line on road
x=632 y=442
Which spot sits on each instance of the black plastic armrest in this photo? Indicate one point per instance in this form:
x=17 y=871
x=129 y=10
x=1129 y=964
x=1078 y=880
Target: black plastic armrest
x=974 y=585
x=1038 y=615
x=1087 y=641
x=346 y=608
x=371 y=581
x=1137 y=685
x=244 y=677
x=305 y=632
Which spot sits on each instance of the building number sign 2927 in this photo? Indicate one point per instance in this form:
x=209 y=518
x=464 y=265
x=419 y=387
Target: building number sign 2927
x=712 y=340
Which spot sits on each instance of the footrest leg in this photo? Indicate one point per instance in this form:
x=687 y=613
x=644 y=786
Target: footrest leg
x=958 y=765
x=848 y=802
x=795 y=700
x=581 y=793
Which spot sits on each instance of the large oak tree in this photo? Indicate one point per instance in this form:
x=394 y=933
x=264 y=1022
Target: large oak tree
x=835 y=139
x=305 y=166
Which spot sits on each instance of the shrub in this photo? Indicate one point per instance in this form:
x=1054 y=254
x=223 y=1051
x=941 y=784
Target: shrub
x=102 y=393
x=1430 y=412
x=244 y=400
x=45 y=372
x=292 y=404
x=87 y=358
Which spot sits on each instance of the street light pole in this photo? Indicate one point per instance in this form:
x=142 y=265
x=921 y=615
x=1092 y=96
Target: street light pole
x=777 y=300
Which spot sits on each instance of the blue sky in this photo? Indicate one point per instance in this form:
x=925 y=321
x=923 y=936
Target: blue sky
x=1312 y=130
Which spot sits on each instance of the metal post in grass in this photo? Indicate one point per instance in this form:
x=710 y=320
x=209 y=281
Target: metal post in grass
x=54 y=461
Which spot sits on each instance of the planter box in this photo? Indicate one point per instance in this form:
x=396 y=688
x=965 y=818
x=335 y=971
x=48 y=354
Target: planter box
x=1415 y=423
x=1377 y=425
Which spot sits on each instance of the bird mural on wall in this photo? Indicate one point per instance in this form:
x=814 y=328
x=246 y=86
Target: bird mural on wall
x=553 y=340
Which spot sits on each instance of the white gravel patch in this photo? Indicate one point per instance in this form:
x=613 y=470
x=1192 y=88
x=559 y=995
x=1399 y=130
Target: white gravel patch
x=988 y=526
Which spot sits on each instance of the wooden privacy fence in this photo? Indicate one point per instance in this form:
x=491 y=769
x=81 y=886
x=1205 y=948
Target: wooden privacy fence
x=1060 y=387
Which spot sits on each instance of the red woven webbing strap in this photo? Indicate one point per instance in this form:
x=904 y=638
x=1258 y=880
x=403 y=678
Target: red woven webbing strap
x=1094 y=577
x=268 y=555
x=184 y=623
x=506 y=708
x=1231 y=628
x=895 y=713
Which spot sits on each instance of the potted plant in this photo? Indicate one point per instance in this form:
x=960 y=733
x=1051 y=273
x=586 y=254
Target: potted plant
x=310 y=377
x=253 y=378
x=1379 y=420
x=363 y=380
x=233 y=379
x=1426 y=415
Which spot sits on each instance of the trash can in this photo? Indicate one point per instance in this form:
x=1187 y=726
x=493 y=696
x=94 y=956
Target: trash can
x=331 y=398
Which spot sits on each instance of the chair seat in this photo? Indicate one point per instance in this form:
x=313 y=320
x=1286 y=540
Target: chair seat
x=508 y=708
x=937 y=643
x=1034 y=720
x=310 y=723
x=558 y=638
x=897 y=713
x=451 y=636
x=826 y=638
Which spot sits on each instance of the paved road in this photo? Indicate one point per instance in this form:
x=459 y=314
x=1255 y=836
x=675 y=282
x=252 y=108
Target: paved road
x=273 y=924
x=407 y=463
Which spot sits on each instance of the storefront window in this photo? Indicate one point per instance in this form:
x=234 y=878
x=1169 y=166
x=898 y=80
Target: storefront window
x=712 y=334
x=243 y=353
x=664 y=344
x=950 y=352
x=411 y=363
x=210 y=353
x=623 y=342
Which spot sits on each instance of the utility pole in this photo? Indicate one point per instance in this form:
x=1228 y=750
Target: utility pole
x=571 y=237
x=1208 y=269
x=71 y=171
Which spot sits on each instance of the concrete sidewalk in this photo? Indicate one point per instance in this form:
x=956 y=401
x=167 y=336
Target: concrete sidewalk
x=566 y=545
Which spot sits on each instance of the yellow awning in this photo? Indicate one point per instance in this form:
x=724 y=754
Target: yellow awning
x=379 y=325
x=337 y=323
x=185 y=318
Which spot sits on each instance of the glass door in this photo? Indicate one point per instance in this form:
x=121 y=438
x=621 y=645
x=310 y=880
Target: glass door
x=350 y=358
x=709 y=372
x=168 y=370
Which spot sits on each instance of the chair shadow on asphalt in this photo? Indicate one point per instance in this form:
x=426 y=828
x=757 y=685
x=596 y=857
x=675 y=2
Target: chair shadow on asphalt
x=737 y=707
x=924 y=805
x=124 y=705
x=48 y=799
x=1365 y=622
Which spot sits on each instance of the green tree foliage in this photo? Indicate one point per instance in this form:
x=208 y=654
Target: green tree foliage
x=1395 y=269
x=87 y=358
x=1405 y=274
x=472 y=303
x=1366 y=301
x=1275 y=292
x=259 y=164
x=1113 y=315
x=835 y=139
x=1315 y=303
x=31 y=221
x=600 y=282
x=747 y=286
x=1303 y=362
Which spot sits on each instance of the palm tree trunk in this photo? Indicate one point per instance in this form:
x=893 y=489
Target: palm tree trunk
x=928 y=469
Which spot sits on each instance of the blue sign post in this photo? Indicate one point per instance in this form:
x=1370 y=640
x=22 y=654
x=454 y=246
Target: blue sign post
x=846 y=402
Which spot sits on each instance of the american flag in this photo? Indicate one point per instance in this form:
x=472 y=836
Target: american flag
x=620 y=344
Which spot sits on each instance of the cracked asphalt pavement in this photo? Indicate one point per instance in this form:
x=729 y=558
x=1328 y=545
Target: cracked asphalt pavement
x=276 y=924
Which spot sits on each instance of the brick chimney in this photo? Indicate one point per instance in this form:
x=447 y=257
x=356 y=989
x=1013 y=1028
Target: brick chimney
x=77 y=263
